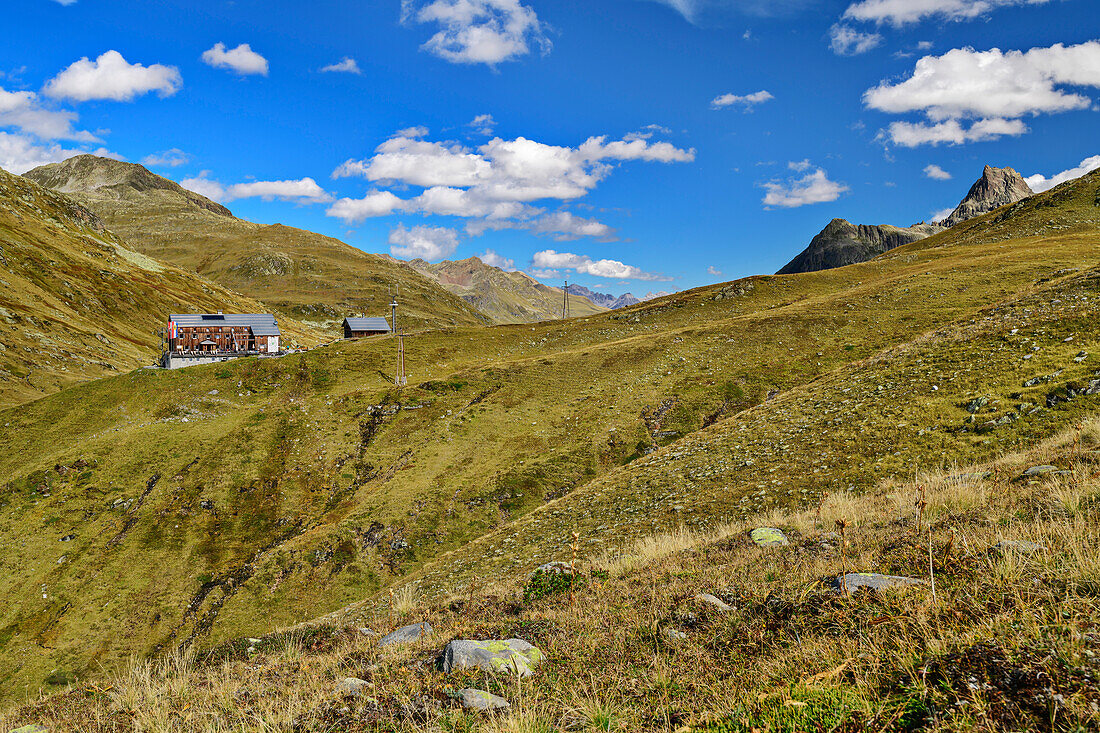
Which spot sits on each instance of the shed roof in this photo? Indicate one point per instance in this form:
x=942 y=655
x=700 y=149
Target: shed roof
x=262 y=324
x=367 y=324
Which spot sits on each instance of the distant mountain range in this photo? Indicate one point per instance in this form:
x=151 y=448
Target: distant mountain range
x=843 y=243
x=606 y=300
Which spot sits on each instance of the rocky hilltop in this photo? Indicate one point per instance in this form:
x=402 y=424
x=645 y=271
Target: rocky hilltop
x=996 y=188
x=293 y=272
x=843 y=243
x=506 y=297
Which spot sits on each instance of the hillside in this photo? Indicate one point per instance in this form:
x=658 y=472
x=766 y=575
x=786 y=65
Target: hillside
x=299 y=274
x=506 y=297
x=76 y=304
x=272 y=492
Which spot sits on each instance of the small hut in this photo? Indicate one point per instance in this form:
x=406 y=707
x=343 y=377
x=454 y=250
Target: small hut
x=359 y=327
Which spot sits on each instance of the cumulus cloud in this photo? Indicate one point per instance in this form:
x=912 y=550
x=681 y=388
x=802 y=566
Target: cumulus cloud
x=241 y=59
x=375 y=203
x=564 y=226
x=303 y=190
x=20 y=153
x=1040 y=183
x=491 y=258
x=813 y=188
x=428 y=243
x=347 y=65
x=936 y=173
x=24 y=111
x=953 y=132
x=904 y=12
x=549 y=259
x=478 y=31
x=171 y=158
x=712 y=270
x=112 y=77
x=938 y=216
x=748 y=101
x=483 y=124
x=994 y=87
x=847 y=41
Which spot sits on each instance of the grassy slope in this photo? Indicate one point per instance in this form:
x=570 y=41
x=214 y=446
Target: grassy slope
x=992 y=641
x=307 y=276
x=506 y=297
x=296 y=486
x=75 y=304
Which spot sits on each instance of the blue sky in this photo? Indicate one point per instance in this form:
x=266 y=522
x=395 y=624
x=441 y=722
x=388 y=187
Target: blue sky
x=637 y=145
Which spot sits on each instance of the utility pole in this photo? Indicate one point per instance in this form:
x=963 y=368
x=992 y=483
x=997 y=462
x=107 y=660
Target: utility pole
x=393 y=311
x=400 y=380
x=565 y=301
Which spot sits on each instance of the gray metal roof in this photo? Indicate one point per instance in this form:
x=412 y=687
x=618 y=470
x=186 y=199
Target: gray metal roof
x=262 y=324
x=367 y=324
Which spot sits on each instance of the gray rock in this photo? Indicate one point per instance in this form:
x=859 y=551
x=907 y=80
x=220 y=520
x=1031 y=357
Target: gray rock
x=976 y=404
x=1039 y=470
x=511 y=655
x=1081 y=357
x=481 y=700
x=351 y=687
x=406 y=634
x=32 y=728
x=1021 y=546
x=554 y=568
x=843 y=243
x=996 y=188
x=852 y=582
x=713 y=601
x=769 y=537
x=675 y=635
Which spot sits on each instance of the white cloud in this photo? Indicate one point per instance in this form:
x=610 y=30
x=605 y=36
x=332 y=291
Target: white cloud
x=748 y=101
x=408 y=159
x=712 y=270
x=478 y=31
x=491 y=258
x=112 y=77
x=542 y=274
x=551 y=260
x=847 y=41
x=813 y=188
x=952 y=132
x=65 y=2
x=20 y=153
x=942 y=214
x=171 y=158
x=24 y=111
x=429 y=243
x=903 y=12
x=1040 y=183
x=936 y=173
x=241 y=59
x=303 y=190
x=564 y=226
x=483 y=124
x=347 y=65
x=375 y=203
x=800 y=166
x=697 y=11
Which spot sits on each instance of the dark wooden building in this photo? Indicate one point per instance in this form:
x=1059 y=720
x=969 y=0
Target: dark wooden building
x=223 y=333
x=358 y=327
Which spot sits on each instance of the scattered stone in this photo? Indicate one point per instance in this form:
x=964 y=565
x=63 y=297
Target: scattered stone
x=675 y=635
x=32 y=728
x=1039 y=470
x=481 y=700
x=68 y=538
x=556 y=567
x=976 y=404
x=1021 y=546
x=406 y=634
x=1081 y=357
x=512 y=655
x=351 y=687
x=713 y=601
x=852 y=582
x=769 y=537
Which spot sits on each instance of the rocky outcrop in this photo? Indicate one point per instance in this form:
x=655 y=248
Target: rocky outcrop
x=996 y=188
x=843 y=243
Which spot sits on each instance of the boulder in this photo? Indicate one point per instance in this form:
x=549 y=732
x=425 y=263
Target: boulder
x=852 y=582
x=406 y=634
x=1022 y=547
x=481 y=700
x=351 y=687
x=511 y=655
x=1039 y=470
x=715 y=601
x=675 y=635
x=554 y=568
x=769 y=537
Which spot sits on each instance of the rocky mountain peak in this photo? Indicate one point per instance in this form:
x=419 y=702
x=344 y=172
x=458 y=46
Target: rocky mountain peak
x=996 y=188
x=106 y=178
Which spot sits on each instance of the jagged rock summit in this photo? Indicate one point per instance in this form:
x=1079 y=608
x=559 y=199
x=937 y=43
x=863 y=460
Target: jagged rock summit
x=996 y=188
x=843 y=243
